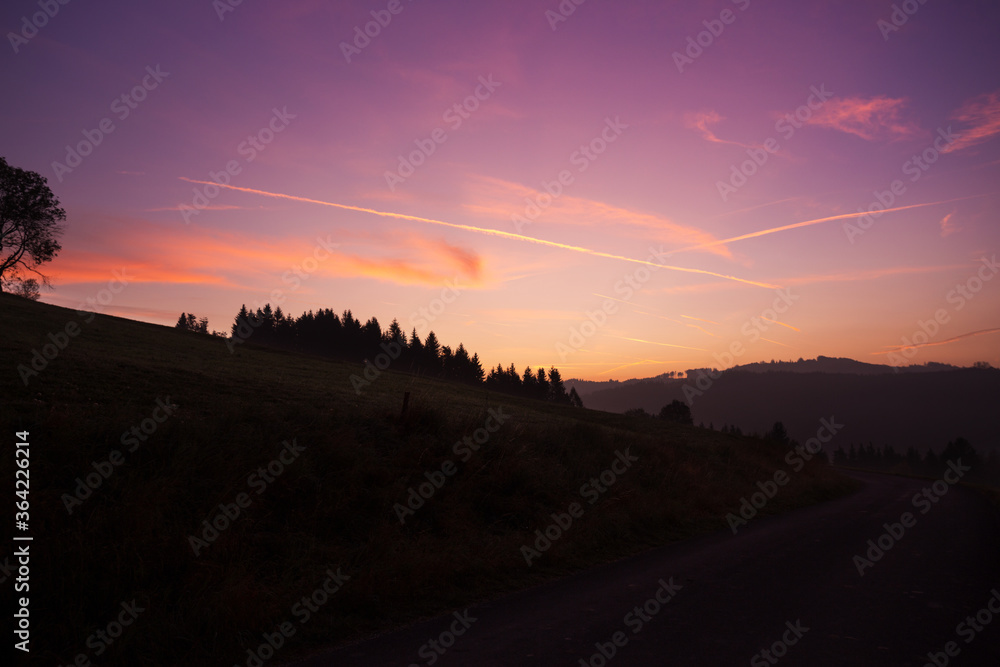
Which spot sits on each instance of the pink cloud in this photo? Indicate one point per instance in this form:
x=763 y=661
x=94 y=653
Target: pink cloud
x=982 y=116
x=700 y=120
x=872 y=119
x=947 y=226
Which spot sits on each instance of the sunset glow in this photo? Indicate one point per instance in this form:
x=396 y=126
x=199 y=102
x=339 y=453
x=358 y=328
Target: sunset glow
x=803 y=193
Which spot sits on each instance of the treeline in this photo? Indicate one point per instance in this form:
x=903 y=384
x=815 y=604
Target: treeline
x=190 y=322
x=533 y=384
x=346 y=337
x=674 y=411
x=985 y=468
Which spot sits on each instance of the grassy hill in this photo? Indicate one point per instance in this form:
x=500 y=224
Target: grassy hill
x=169 y=426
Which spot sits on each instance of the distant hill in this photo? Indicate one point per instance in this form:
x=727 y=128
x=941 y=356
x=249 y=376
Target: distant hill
x=840 y=365
x=584 y=387
x=923 y=406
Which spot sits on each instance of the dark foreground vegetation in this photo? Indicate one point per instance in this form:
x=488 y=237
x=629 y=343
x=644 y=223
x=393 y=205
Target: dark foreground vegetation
x=222 y=493
x=985 y=468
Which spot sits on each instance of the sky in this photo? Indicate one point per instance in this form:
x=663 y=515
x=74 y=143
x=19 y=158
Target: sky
x=618 y=189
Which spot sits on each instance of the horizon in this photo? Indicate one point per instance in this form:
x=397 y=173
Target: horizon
x=620 y=192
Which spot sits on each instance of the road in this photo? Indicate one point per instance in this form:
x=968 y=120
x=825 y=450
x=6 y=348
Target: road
x=787 y=584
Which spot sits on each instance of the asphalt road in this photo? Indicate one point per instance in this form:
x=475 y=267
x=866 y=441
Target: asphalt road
x=789 y=585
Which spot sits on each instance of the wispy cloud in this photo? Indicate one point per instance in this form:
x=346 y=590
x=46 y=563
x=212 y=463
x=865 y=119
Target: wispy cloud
x=209 y=207
x=699 y=319
x=981 y=115
x=787 y=326
x=701 y=120
x=948 y=227
x=653 y=342
x=817 y=221
x=500 y=199
x=492 y=232
x=151 y=254
x=874 y=118
x=870 y=274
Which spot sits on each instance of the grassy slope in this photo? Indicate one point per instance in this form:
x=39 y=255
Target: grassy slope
x=332 y=507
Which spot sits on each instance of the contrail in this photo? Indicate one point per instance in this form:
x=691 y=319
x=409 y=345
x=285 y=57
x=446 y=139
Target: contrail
x=483 y=230
x=782 y=324
x=662 y=317
x=637 y=363
x=699 y=319
x=900 y=348
x=774 y=341
x=807 y=223
x=651 y=342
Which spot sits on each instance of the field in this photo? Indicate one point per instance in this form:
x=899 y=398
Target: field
x=306 y=481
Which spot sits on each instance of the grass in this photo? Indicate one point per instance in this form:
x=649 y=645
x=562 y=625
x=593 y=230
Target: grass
x=333 y=506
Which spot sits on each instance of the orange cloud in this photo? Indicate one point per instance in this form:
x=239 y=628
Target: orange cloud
x=489 y=232
x=464 y=260
x=982 y=116
x=150 y=253
x=81 y=266
x=871 y=119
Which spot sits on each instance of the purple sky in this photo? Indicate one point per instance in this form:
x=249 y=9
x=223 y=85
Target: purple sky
x=493 y=102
